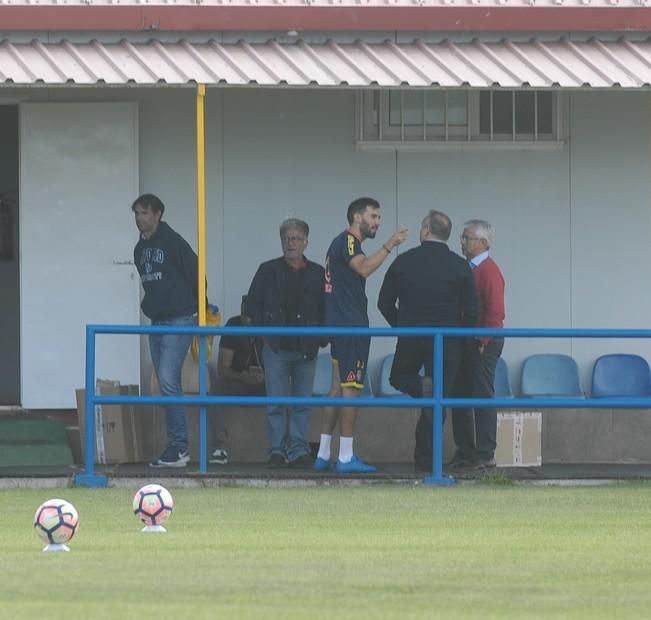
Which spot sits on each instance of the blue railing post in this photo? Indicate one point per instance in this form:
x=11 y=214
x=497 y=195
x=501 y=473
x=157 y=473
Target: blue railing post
x=203 y=363
x=437 y=418
x=89 y=478
x=89 y=413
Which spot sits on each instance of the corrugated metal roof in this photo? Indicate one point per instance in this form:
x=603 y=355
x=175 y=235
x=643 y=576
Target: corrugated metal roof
x=505 y=64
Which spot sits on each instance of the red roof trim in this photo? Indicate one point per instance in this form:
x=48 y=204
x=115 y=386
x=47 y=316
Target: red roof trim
x=334 y=19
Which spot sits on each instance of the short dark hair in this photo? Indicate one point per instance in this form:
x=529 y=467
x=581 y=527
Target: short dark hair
x=359 y=206
x=149 y=201
x=439 y=224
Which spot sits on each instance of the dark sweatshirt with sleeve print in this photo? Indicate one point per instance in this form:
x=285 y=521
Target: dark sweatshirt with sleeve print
x=168 y=269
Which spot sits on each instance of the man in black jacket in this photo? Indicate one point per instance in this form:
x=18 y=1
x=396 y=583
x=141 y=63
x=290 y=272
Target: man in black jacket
x=168 y=269
x=288 y=291
x=427 y=285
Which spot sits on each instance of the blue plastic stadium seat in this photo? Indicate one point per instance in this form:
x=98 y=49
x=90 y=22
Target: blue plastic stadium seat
x=323 y=377
x=368 y=390
x=551 y=375
x=620 y=375
x=386 y=389
x=502 y=380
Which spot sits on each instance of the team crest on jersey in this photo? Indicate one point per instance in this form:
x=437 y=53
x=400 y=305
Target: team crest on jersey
x=351 y=377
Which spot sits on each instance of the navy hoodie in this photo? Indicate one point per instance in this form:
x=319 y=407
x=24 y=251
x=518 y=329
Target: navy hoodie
x=168 y=269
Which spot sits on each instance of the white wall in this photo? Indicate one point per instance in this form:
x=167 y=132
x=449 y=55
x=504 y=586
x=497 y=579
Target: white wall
x=572 y=225
x=526 y=197
x=610 y=219
x=291 y=154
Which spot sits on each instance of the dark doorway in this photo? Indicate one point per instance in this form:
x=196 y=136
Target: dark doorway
x=9 y=258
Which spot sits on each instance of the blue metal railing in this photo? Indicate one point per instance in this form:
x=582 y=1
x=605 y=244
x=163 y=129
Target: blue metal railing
x=437 y=402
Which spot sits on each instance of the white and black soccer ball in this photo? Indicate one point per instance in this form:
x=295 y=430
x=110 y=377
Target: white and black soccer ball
x=153 y=504
x=56 y=521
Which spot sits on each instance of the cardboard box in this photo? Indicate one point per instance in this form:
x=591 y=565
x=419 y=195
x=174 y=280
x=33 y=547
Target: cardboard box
x=519 y=439
x=118 y=436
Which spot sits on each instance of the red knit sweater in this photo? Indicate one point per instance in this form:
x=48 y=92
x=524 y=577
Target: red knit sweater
x=490 y=285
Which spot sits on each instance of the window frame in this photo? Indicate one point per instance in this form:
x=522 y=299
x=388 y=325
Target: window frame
x=384 y=136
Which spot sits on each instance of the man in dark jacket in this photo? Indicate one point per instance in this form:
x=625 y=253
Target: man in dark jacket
x=427 y=285
x=168 y=270
x=288 y=291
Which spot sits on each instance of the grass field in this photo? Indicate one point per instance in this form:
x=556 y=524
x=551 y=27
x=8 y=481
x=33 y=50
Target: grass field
x=483 y=551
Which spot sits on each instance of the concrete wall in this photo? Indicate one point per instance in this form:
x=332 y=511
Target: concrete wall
x=610 y=219
x=573 y=227
x=610 y=233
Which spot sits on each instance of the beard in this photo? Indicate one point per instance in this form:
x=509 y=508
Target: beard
x=367 y=231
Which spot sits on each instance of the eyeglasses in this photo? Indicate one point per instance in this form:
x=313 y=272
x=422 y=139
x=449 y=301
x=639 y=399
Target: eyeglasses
x=293 y=239
x=467 y=238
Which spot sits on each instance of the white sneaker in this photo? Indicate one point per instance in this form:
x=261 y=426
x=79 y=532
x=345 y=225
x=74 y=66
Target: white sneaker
x=219 y=456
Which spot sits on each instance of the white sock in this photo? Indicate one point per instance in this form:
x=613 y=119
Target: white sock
x=324 y=447
x=345 y=449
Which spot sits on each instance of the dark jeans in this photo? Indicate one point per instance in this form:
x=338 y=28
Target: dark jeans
x=475 y=430
x=412 y=354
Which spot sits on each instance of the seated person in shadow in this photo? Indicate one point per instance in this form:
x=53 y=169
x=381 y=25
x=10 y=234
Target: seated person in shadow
x=239 y=372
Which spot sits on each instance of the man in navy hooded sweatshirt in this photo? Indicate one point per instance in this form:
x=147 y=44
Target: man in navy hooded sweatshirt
x=168 y=269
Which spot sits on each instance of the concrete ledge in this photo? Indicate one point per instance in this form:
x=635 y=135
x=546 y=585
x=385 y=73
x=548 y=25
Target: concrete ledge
x=36 y=483
x=575 y=482
x=213 y=483
x=257 y=476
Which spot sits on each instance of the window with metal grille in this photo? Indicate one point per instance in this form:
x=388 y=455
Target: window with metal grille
x=440 y=117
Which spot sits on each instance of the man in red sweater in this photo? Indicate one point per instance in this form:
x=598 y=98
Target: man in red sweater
x=475 y=430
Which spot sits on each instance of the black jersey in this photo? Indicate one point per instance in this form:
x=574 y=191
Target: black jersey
x=247 y=350
x=345 y=294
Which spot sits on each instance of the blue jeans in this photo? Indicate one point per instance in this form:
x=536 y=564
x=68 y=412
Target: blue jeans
x=168 y=353
x=288 y=373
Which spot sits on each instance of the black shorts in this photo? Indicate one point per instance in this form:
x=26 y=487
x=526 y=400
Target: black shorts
x=351 y=354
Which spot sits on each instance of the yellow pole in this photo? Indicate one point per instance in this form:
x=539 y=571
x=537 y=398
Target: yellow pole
x=201 y=202
x=201 y=251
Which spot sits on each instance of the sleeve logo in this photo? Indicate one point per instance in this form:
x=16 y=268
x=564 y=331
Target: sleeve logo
x=328 y=276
